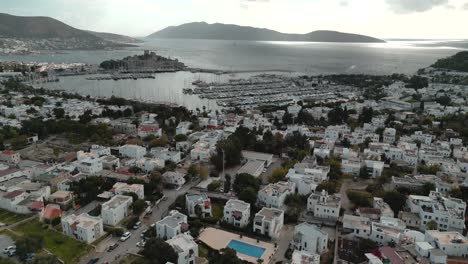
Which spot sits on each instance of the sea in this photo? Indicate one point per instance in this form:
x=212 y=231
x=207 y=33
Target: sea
x=250 y=57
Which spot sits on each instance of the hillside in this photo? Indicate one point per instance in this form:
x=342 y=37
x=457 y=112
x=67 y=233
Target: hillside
x=116 y=37
x=457 y=62
x=45 y=33
x=202 y=30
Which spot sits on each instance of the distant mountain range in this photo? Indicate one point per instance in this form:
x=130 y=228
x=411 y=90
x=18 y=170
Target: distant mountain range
x=115 y=37
x=457 y=62
x=45 y=33
x=202 y=30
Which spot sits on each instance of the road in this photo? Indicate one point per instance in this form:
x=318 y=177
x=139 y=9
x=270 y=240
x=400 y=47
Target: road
x=159 y=211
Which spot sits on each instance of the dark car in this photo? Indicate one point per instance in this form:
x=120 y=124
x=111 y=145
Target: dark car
x=94 y=260
x=112 y=247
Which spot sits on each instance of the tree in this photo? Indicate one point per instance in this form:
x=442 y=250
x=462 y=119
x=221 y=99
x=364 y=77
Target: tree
x=287 y=119
x=396 y=200
x=330 y=186
x=427 y=188
x=224 y=256
x=192 y=171
x=248 y=195
x=159 y=252
x=29 y=244
x=366 y=115
x=444 y=100
x=203 y=172
x=364 y=173
x=214 y=186
x=134 y=169
x=227 y=183
x=138 y=207
x=180 y=137
x=431 y=225
x=278 y=174
x=49 y=259
x=59 y=112
x=359 y=198
x=417 y=82
x=244 y=181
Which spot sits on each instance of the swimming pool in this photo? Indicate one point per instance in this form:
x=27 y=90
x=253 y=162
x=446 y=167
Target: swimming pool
x=246 y=249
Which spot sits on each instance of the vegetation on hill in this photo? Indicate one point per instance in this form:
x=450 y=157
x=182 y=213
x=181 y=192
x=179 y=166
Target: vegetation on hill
x=457 y=62
x=202 y=30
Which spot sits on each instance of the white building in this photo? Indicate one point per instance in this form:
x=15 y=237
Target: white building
x=324 y=205
x=198 y=204
x=351 y=166
x=237 y=213
x=254 y=168
x=172 y=225
x=100 y=150
x=310 y=238
x=258 y=156
x=452 y=243
x=90 y=166
x=185 y=247
x=307 y=176
x=269 y=222
x=83 y=227
x=183 y=128
x=116 y=209
x=123 y=188
x=10 y=156
x=149 y=129
x=166 y=155
x=274 y=194
x=303 y=257
x=447 y=212
x=174 y=178
x=357 y=226
x=132 y=151
x=149 y=164
x=389 y=135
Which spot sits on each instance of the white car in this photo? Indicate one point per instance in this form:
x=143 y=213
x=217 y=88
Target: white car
x=125 y=236
x=8 y=249
x=142 y=243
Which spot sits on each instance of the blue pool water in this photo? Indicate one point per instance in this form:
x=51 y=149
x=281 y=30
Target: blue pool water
x=246 y=249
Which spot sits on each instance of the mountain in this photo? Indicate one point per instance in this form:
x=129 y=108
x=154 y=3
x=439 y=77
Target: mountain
x=202 y=30
x=116 y=37
x=45 y=33
x=457 y=62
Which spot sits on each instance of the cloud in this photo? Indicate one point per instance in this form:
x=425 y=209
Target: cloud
x=413 y=6
x=465 y=6
x=344 y=3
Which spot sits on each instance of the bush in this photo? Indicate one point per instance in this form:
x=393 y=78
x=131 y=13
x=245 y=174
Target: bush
x=359 y=198
x=214 y=186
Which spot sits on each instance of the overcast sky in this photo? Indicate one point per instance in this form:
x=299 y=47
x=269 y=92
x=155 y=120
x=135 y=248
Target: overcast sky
x=378 y=18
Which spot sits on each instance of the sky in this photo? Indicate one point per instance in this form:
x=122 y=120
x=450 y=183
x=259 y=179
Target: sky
x=415 y=19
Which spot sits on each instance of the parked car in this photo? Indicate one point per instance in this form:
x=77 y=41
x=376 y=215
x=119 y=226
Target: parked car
x=8 y=249
x=125 y=236
x=142 y=235
x=93 y=260
x=141 y=243
x=11 y=253
x=112 y=247
x=137 y=225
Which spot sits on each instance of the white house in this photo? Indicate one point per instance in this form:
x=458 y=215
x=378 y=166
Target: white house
x=351 y=166
x=357 y=226
x=132 y=151
x=254 y=168
x=149 y=164
x=237 y=213
x=324 y=205
x=166 y=155
x=90 y=165
x=274 y=194
x=174 y=178
x=200 y=201
x=83 y=227
x=10 y=156
x=183 y=128
x=100 y=150
x=303 y=257
x=185 y=247
x=258 y=156
x=116 y=209
x=310 y=238
x=447 y=212
x=374 y=168
x=389 y=135
x=172 y=225
x=452 y=243
x=123 y=188
x=149 y=129
x=269 y=222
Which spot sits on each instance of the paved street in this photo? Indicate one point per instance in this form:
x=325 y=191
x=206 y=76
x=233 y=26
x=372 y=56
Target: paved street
x=285 y=238
x=159 y=211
